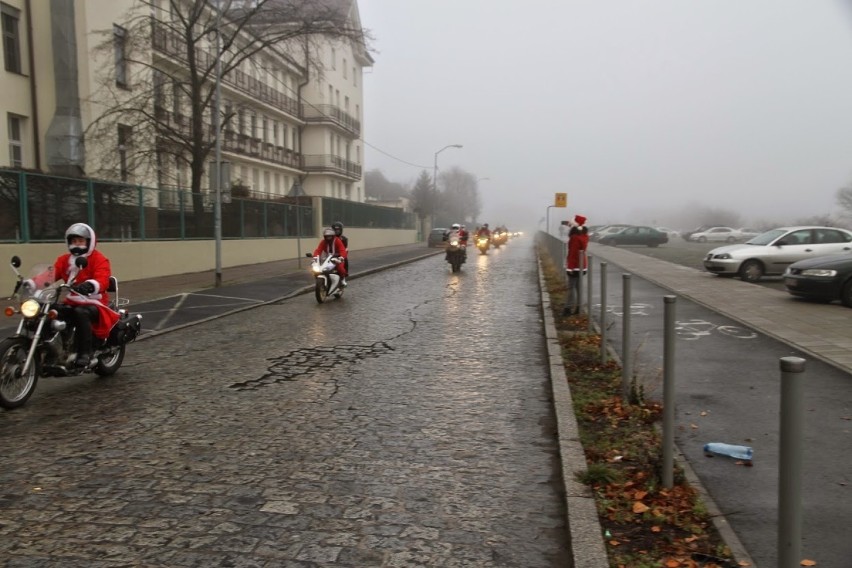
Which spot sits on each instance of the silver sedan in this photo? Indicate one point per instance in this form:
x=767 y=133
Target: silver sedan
x=770 y=253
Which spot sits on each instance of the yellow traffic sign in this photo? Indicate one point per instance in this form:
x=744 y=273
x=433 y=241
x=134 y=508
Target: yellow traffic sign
x=561 y=200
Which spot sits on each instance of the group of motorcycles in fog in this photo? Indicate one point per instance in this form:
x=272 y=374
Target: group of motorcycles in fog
x=456 y=251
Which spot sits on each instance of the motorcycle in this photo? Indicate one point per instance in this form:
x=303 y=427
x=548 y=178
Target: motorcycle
x=328 y=280
x=482 y=243
x=43 y=344
x=456 y=254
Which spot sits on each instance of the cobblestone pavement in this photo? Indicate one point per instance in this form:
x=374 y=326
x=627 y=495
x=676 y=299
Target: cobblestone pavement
x=408 y=424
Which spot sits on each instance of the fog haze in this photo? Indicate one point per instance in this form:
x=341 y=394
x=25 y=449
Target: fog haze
x=637 y=110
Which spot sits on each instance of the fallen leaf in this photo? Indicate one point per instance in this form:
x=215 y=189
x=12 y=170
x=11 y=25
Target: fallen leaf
x=743 y=563
x=640 y=507
x=704 y=413
x=807 y=563
x=639 y=495
x=656 y=529
x=614 y=543
x=672 y=563
x=693 y=426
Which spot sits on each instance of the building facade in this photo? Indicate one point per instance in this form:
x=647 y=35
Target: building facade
x=102 y=88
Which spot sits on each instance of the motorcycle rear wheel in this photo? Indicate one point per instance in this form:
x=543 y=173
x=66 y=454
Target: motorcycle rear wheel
x=15 y=388
x=108 y=363
x=320 y=291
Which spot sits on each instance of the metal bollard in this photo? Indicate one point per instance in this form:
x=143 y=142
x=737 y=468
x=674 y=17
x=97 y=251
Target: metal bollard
x=589 y=288
x=668 y=391
x=790 y=463
x=626 y=356
x=603 y=312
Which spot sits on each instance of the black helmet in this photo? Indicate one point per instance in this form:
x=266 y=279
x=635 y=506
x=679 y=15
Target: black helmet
x=83 y=231
x=485 y=225
x=338 y=228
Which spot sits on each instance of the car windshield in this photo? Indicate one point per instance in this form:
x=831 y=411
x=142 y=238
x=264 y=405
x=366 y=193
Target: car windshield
x=766 y=238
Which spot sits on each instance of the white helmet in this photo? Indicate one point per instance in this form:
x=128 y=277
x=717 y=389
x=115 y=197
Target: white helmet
x=84 y=231
x=456 y=226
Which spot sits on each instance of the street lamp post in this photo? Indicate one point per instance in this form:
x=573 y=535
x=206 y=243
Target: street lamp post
x=435 y=174
x=217 y=175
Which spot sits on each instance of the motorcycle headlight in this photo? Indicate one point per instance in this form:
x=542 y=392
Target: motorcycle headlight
x=819 y=272
x=316 y=268
x=30 y=308
x=454 y=243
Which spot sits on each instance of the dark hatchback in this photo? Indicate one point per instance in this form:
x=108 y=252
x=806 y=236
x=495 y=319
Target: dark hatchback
x=824 y=279
x=647 y=236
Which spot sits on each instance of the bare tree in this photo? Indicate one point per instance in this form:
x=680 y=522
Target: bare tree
x=844 y=199
x=378 y=186
x=460 y=199
x=134 y=91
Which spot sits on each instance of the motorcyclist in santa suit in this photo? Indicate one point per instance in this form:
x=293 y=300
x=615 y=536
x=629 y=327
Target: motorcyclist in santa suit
x=331 y=245
x=86 y=305
x=338 y=230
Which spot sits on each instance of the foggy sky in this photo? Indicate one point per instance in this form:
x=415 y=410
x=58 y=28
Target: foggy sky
x=636 y=109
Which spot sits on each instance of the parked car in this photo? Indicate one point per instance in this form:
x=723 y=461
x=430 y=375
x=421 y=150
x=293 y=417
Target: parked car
x=747 y=234
x=670 y=233
x=686 y=234
x=605 y=230
x=436 y=238
x=716 y=235
x=770 y=253
x=823 y=278
x=635 y=235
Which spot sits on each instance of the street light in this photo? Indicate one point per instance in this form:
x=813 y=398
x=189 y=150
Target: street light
x=435 y=174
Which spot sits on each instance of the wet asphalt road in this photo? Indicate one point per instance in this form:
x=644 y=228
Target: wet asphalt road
x=408 y=424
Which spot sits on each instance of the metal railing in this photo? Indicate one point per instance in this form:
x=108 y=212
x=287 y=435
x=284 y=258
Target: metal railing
x=38 y=208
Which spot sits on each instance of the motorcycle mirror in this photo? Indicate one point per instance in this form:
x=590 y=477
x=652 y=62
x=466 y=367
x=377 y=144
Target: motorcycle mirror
x=81 y=262
x=16 y=261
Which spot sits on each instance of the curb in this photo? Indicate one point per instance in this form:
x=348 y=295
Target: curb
x=585 y=535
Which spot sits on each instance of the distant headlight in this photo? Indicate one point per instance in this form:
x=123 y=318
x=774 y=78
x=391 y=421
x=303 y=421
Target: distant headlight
x=30 y=308
x=819 y=272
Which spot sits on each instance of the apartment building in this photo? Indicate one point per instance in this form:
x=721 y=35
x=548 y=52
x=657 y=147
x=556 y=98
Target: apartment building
x=101 y=88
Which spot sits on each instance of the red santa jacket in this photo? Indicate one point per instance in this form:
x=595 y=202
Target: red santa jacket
x=578 y=242
x=97 y=271
x=336 y=248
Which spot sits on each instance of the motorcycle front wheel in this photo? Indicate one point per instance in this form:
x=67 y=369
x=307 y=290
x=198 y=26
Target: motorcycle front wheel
x=109 y=362
x=16 y=387
x=320 y=290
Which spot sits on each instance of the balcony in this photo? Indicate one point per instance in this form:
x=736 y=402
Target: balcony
x=327 y=163
x=170 y=43
x=332 y=115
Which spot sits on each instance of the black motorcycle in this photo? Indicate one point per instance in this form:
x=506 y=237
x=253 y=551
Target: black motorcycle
x=43 y=344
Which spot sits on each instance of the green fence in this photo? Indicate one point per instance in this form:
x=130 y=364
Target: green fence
x=38 y=208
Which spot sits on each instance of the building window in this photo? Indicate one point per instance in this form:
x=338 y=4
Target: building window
x=16 y=144
x=124 y=142
x=253 y=132
x=11 y=38
x=345 y=69
x=354 y=77
x=333 y=58
x=119 y=40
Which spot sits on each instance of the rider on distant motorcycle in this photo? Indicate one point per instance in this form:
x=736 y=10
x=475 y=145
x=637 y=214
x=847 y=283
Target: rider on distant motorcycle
x=338 y=230
x=455 y=232
x=333 y=246
x=483 y=231
x=463 y=234
x=86 y=305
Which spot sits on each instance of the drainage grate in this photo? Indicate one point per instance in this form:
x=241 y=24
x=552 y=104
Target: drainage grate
x=308 y=361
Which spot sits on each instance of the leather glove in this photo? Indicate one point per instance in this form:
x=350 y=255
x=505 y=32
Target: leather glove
x=84 y=288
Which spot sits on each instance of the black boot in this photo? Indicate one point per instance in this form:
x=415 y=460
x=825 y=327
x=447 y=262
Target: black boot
x=83 y=360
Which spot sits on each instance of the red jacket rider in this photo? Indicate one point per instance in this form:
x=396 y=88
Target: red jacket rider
x=333 y=246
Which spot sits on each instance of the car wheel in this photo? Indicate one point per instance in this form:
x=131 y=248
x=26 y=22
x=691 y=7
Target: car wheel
x=702 y=239
x=846 y=294
x=751 y=271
